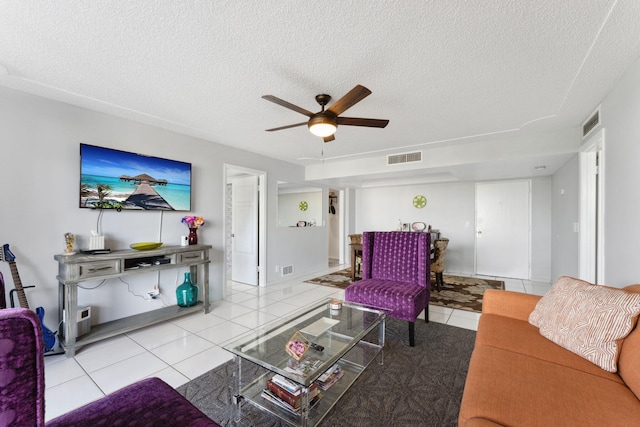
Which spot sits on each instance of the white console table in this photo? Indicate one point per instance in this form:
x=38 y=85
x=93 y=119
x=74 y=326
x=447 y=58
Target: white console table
x=74 y=269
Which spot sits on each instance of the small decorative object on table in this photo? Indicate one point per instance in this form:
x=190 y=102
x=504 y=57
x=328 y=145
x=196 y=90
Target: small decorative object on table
x=69 y=240
x=145 y=246
x=187 y=293
x=297 y=346
x=418 y=226
x=193 y=222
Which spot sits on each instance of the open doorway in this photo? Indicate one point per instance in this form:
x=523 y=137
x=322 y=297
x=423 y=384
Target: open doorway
x=245 y=225
x=335 y=227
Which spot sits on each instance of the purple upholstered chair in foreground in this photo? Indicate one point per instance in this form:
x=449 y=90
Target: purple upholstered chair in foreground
x=395 y=275
x=149 y=402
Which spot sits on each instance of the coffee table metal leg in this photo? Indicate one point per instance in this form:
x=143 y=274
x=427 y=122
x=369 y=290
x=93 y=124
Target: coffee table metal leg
x=304 y=407
x=237 y=397
x=381 y=338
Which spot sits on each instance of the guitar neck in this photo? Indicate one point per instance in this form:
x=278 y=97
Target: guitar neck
x=17 y=283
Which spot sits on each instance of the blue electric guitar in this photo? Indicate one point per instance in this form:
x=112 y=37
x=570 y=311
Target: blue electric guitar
x=49 y=337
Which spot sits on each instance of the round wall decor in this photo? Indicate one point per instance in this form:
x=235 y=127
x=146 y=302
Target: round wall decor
x=303 y=205
x=419 y=201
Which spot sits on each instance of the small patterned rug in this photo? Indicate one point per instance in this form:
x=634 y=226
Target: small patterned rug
x=338 y=279
x=463 y=293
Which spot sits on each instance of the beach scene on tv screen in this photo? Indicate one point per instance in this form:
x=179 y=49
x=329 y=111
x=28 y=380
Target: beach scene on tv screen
x=114 y=179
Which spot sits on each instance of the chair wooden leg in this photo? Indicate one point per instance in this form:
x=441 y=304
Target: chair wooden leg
x=426 y=314
x=439 y=281
x=412 y=340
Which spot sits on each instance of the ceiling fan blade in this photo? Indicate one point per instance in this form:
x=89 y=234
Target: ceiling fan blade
x=355 y=121
x=288 y=105
x=287 y=127
x=329 y=138
x=354 y=96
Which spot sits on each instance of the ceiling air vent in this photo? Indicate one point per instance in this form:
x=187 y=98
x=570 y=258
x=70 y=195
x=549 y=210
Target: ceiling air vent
x=396 y=159
x=591 y=123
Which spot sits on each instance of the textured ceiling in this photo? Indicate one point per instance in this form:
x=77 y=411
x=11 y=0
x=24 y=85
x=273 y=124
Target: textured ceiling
x=504 y=77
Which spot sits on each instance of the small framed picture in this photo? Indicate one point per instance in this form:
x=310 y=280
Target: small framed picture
x=406 y=226
x=297 y=346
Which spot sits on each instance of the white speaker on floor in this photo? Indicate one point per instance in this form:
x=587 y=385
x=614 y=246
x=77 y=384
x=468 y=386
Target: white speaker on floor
x=84 y=320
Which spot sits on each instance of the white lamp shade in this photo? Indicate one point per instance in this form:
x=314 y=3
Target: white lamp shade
x=322 y=129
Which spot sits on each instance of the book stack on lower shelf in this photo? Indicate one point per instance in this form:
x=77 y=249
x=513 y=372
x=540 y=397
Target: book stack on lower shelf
x=287 y=394
x=329 y=378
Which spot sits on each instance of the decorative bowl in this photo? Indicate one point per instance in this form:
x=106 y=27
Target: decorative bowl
x=419 y=226
x=145 y=246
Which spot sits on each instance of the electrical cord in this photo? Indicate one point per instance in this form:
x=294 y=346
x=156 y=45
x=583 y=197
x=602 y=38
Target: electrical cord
x=99 y=222
x=131 y=291
x=94 y=287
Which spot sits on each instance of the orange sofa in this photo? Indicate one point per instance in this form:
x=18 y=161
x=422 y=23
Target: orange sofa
x=517 y=377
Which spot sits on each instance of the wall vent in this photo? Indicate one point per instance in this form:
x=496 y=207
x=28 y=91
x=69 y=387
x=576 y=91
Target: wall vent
x=591 y=123
x=287 y=270
x=396 y=159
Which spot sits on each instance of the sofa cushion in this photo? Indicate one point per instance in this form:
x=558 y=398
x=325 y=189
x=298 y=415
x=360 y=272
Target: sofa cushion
x=587 y=319
x=513 y=389
x=521 y=337
x=149 y=402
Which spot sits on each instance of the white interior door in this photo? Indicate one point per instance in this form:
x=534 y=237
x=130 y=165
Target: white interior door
x=592 y=208
x=244 y=247
x=503 y=229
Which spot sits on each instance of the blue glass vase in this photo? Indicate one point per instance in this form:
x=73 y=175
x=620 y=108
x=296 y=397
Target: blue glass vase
x=187 y=293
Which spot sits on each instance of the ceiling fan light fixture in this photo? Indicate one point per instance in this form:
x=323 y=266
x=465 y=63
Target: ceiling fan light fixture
x=322 y=125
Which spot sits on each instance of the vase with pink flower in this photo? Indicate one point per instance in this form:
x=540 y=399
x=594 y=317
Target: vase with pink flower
x=193 y=222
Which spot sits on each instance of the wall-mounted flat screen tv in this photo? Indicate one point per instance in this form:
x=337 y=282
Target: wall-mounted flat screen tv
x=114 y=179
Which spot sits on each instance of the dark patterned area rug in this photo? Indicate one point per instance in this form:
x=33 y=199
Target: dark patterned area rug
x=419 y=385
x=463 y=293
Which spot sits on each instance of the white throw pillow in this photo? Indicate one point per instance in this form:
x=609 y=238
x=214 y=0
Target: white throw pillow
x=588 y=320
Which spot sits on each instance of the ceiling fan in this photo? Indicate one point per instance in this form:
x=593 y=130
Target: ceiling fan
x=325 y=122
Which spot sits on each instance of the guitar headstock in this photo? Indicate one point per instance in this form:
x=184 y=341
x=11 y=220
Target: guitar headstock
x=6 y=255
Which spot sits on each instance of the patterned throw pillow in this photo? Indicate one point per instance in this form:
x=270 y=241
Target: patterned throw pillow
x=586 y=319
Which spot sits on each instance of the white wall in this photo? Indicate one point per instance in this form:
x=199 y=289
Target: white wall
x=289 y=212
x=541 y=229
x=40 y=166
x=620 y=116
x=565 y=201
x=451 y=209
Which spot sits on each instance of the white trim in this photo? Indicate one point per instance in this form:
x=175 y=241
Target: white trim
x=592 y=242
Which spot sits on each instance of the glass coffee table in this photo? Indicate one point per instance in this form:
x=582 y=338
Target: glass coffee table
x=341 y=343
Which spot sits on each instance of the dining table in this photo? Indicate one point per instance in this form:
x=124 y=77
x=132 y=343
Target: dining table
x=356 y=251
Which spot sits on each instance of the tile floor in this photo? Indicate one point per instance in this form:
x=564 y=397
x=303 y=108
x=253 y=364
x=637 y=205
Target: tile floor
x=180 y=350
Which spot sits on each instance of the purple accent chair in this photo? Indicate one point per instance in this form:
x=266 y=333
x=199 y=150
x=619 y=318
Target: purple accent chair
x=150 y=402
x=395 y=275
